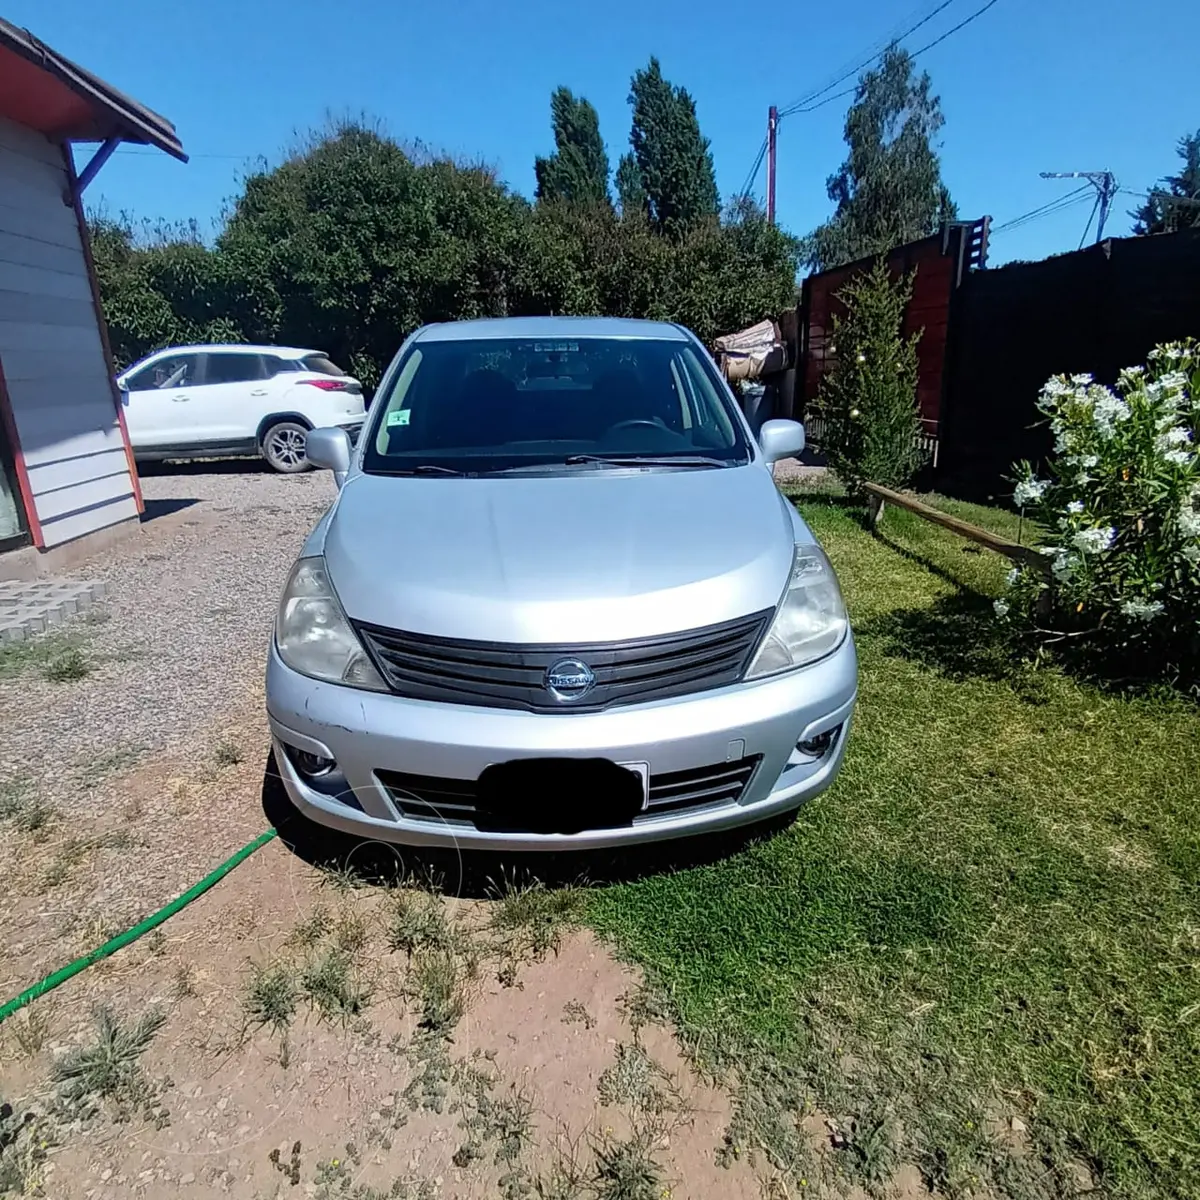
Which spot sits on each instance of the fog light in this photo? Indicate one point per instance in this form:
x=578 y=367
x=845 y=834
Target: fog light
x=817 y=746
x=811 y=749
x=312 y=766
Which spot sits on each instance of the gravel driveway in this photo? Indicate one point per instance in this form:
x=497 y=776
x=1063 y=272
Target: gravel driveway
x=191 y=601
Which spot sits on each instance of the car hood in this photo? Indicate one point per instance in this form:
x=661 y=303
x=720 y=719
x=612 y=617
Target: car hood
x=599 y=556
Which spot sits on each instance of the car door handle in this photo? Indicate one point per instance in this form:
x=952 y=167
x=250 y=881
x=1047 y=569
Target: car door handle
x=259 y=392
x=181 y=399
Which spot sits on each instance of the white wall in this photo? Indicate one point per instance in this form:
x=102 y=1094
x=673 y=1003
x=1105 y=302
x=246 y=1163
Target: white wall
x=50 y=349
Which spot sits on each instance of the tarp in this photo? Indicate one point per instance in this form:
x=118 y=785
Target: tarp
x=752 y=353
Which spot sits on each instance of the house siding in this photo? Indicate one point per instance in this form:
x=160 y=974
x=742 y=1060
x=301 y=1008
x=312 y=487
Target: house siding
x=51 y=350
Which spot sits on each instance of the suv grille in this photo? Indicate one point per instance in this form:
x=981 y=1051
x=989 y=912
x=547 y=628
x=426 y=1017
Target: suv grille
x=494 y=675
x=436 y=798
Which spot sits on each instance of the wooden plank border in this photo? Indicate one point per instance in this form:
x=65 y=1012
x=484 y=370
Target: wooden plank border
x=878 y=496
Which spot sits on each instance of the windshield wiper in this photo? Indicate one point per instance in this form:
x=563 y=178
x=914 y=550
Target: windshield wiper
x=639 y=460
x=422 y=469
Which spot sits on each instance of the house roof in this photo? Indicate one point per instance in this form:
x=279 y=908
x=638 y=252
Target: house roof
x=44 y=91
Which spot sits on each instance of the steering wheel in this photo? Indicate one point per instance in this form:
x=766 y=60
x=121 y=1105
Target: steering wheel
x=634 y=422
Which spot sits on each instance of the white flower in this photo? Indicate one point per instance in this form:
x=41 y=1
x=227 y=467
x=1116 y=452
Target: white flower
x=1081 y=380
x=1092 y=541
x=1188 y=521
x=1001 y=607
x=1142 y=610
x=1063 y=566
x=1192 y=555
x=1054 y=388
x=1173 y=437
x=1177 y=458
x=1075 y=507
x=1109 y=410
x=1132 y=373
x=862 y=357
x=1173 y=381
x=1012 y=576
x=1029 y=490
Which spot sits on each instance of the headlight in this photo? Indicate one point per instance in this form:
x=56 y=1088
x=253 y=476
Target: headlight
x=810 y=620
x=313 y=635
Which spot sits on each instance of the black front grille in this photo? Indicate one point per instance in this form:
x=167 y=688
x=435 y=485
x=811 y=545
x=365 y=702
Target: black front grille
x=435 y=798
x=495 y=675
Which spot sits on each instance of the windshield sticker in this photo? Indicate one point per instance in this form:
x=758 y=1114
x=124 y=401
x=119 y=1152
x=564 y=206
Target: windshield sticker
x=399 y=417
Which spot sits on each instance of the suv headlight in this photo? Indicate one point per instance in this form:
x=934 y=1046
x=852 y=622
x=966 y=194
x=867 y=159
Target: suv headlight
x=811 y=618
x=313 y=635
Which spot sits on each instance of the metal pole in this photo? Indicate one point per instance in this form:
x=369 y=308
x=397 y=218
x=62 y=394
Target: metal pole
x=1108 y=187
x=772 y=125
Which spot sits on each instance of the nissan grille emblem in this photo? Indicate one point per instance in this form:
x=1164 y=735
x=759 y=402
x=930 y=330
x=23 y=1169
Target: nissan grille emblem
x=569 y=679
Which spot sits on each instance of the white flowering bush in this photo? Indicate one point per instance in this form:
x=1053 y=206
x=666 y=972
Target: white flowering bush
x=1121 y=504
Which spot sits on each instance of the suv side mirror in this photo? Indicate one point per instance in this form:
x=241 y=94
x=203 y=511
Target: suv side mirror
x=329 y=448
x=781 y=439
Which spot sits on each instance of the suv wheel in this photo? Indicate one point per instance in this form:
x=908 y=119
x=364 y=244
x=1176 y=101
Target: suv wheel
x=283 y=447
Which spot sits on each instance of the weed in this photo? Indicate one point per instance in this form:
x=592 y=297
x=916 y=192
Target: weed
x=534 y=914
x=16 y=658
x=31 y=1029
x=329 y=983
x=416 y=922
x=312 y=929
x=28 y=814
x=24 y=1142
x=638 y=1082
x=67 y=666
x=184 y=984
x=625 y=1170
x=227 y=754
x=270 y=996
x=440 y=991
x=108 y=1067
x=350 y=933
x=342 y=877
x=574 y=1013
x=291 y=1170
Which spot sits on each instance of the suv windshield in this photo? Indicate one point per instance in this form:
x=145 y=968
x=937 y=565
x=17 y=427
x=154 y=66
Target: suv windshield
x=495 y=404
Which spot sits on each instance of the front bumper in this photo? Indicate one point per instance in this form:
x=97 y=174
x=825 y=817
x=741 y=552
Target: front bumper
x=369 y=734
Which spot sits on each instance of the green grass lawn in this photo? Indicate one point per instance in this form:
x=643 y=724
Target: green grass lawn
x=980 y=951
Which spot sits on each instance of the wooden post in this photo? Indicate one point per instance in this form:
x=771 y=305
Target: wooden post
x=874 y=510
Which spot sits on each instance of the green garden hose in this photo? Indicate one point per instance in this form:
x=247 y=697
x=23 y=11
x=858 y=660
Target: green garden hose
x=131 y=935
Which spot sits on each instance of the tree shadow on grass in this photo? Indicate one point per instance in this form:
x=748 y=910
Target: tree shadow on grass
x=477 y=874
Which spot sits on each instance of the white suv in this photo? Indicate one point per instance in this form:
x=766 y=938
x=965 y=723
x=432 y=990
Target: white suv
x=209 y=401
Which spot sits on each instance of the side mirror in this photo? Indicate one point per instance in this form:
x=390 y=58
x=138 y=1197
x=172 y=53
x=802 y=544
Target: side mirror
x=329 y=449
x=781 y=439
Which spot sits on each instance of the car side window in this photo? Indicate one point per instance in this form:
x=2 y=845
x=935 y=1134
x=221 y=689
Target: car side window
x=174 y=371
x=233 y=368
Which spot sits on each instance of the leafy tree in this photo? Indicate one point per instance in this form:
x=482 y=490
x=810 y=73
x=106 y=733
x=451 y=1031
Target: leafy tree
x=161 y=286
x=631 y=192
x=577 y=171
x=673 y=158
x=353 y=242
x=869 y=398
x=1175 y=203
x=889 y=190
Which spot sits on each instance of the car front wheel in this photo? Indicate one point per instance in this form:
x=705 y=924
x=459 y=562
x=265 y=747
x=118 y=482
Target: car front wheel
x=283 y=446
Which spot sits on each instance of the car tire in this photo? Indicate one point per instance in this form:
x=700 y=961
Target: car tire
x=283 y=447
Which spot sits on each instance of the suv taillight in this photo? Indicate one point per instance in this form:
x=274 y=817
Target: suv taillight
x=328 y=385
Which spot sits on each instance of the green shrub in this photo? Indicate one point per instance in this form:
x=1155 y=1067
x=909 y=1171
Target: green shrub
x=869 y=398
x=1122 y=497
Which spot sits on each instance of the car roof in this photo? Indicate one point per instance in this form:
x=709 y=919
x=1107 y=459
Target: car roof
x=551 y=327
x=234 y=348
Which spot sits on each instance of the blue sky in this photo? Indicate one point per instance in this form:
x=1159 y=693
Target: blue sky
x=1032 y=85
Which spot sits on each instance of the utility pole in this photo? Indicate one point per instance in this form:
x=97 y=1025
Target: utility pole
x=1105 y=183
x=772 y=126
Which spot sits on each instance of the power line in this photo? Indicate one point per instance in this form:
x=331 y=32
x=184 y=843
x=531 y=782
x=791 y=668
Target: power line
x=805 y=105
x=1044 y=210
x=1083 y=236
x=752 y=174
x=798 y=105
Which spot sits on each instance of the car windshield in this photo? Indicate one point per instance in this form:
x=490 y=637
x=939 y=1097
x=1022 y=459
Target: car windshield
x=492 y=404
